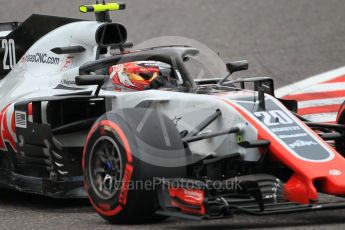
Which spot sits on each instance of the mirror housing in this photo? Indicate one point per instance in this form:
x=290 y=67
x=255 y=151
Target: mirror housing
x=237 y=66
x=98 y=80
x=90 y=80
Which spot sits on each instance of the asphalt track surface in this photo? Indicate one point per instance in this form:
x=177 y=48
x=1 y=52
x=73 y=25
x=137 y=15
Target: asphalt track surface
x=288 y=40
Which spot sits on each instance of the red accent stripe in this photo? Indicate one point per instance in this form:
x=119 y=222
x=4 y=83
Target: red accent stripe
x=30 y=109
x=336 y=80
x=13 y=124
x=197 y=199
x=316 y=96
x=330 y=122
x=319 y=109
x=2 y=118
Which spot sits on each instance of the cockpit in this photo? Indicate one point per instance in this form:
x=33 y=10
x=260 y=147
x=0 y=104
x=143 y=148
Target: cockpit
x=154 y=68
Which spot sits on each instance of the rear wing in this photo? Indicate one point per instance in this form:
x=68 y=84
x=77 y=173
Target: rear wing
x=7 y=27
x=16 y=38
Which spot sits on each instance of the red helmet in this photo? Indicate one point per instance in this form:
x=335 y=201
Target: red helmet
x=134 y=75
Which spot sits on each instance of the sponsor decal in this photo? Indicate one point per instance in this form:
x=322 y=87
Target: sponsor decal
x=193 y=195
x=286 y=129
x=41 y=58
x=125 y=184
x=335 y=172
x=293 y=135
x=20 y=119
x=300 y=143
x=176 y=120
x=68 y=63
x=68 y=82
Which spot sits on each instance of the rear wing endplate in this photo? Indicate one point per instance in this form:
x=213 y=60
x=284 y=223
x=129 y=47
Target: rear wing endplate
x=7 y=27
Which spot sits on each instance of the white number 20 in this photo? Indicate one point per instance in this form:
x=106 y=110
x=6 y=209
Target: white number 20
x=10 y=53
x=274 y=117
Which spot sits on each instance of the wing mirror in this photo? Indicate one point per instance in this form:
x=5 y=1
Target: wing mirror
x=233 y=67
x=98 y=80
x=237 y=66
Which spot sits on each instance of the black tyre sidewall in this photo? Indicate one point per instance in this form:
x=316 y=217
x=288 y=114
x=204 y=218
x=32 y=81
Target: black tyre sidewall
x=141 y=204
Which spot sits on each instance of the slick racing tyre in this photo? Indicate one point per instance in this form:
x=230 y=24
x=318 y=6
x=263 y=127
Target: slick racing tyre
x=7 y=167
x=124 y=155
x=6 y=161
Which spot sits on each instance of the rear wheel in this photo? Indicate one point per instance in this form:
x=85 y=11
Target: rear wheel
x=120 y=180
x=6 y=162
x=7 y=166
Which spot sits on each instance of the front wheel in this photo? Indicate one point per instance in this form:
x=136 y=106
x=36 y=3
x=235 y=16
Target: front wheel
x=120 y=180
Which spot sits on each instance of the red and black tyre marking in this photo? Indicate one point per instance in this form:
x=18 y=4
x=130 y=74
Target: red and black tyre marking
x=111 y=129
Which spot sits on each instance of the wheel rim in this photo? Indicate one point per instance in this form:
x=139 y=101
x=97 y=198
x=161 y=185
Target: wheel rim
x=105 y=168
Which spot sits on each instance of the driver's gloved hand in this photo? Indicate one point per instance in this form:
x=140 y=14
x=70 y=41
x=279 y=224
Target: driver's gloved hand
x=158 y=82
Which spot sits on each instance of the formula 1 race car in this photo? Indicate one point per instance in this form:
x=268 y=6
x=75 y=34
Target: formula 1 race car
x=83 y=115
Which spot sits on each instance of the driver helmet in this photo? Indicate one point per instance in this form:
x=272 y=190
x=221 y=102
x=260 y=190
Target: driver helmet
x=139 y=75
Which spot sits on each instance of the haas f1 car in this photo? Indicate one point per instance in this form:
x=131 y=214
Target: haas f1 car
x=82 y=115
